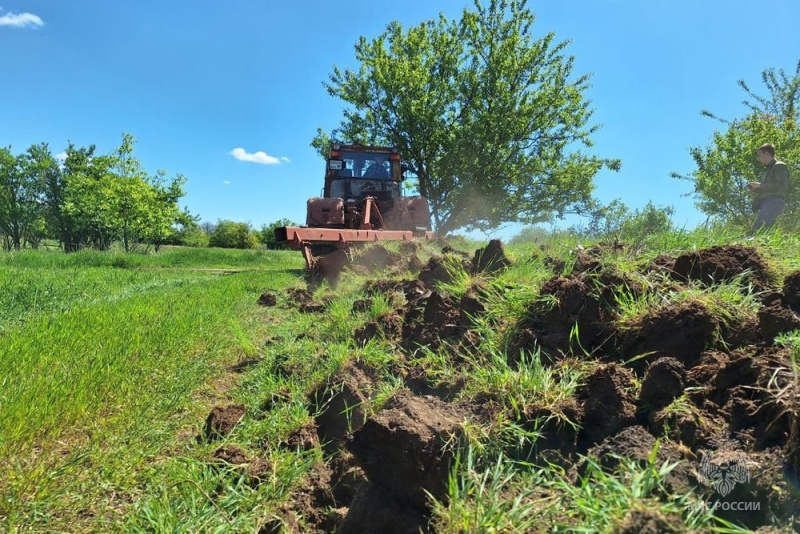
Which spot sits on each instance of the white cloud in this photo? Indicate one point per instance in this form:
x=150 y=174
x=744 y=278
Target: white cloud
x=285 y=159
x=21 y=20
x=62 y=156
x=256 y=157
x=226 y=182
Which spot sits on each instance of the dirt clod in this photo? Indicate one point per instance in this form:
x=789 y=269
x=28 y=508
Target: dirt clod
x=268 y=298
x=362 y=305
x=419 y=428
x=231 y=454
x=683 y=331
x=609 y=402
x=431 y=320
x=222 y=420
x=775 y=319
x=490 y=259
x=723 y=264
x=649 y=522
x=664 y=381
x=376 y=510
x=791 y=290
x=636 y=443
x=558 y=427
x=389 y=326
x=567 y=318
x=255 y=469
x=302 y=438
x=340 y=405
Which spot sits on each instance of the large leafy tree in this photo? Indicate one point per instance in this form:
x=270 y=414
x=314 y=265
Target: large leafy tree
x=489 y=117
x=728 y=163
x=43 y=169
x=87 y=199
x=18 y=207
x=143 y=208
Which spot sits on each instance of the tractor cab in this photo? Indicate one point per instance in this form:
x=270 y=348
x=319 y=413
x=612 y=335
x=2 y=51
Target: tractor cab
x=355 y=172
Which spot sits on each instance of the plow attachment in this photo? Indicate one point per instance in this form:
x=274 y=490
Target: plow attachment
x=316 y=242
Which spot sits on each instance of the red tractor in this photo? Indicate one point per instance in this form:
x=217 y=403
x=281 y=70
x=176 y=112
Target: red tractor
x=362 y=202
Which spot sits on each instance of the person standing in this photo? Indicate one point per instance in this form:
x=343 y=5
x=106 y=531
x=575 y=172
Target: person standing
x=770 y=193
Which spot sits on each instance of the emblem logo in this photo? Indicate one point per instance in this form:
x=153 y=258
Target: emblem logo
x=724 y=475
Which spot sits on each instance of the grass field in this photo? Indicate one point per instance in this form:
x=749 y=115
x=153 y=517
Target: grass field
x=111 y=363
x=104 y=359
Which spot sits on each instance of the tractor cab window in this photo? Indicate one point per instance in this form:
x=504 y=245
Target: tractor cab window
x=365 y=165
x=345 y=172
x=376 y=169
x=339 y=188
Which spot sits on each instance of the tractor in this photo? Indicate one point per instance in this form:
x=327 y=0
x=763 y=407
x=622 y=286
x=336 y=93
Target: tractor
x=362 y=202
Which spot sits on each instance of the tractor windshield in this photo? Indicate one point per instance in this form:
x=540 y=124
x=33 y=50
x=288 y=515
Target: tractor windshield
x=365 y=165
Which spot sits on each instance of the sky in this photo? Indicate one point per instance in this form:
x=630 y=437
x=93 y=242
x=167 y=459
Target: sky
x=231 y=94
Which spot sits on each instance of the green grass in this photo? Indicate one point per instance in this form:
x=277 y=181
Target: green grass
x=601 y=499
x=104 y=370
x=504 y=496
x=36 y=283
x=492 y=493
x=110 y=363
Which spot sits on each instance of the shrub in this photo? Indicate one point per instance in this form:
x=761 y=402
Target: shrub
x=231 y=234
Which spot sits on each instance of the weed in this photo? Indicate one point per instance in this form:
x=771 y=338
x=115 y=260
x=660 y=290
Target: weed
x=502 y=498
x=527 y=383
x=602 y=499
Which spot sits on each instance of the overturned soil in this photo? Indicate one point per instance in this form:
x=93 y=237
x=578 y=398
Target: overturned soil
x=675 y=374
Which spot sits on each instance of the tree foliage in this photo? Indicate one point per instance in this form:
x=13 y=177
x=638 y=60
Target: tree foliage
x=87 y=200
x=490 y=118
x=729 y=162
x=191 y=234
x=19 y=211
x=616 y=220
x=231 y=234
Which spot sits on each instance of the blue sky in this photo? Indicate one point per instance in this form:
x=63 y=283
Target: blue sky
x=230 y=94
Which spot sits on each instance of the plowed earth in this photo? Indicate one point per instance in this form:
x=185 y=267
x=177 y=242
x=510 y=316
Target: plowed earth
x=383 y=465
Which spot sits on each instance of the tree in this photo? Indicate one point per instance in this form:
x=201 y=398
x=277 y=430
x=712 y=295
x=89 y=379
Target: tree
x=728 y=163
x=19 y=209
x=604 y=220
x=144 y=208
x=208 y=227
x=615 y=220
x=112 y=197
x=231 y=234
x=52 y=179
x=489 y=118
x=165 y=213
x=10 y=201
x=43 y=170
x=531 y=234
x=190 y=234
x=88 y=200
x=648 y=221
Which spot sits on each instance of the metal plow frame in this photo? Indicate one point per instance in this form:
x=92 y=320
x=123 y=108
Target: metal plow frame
x=303 y=238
